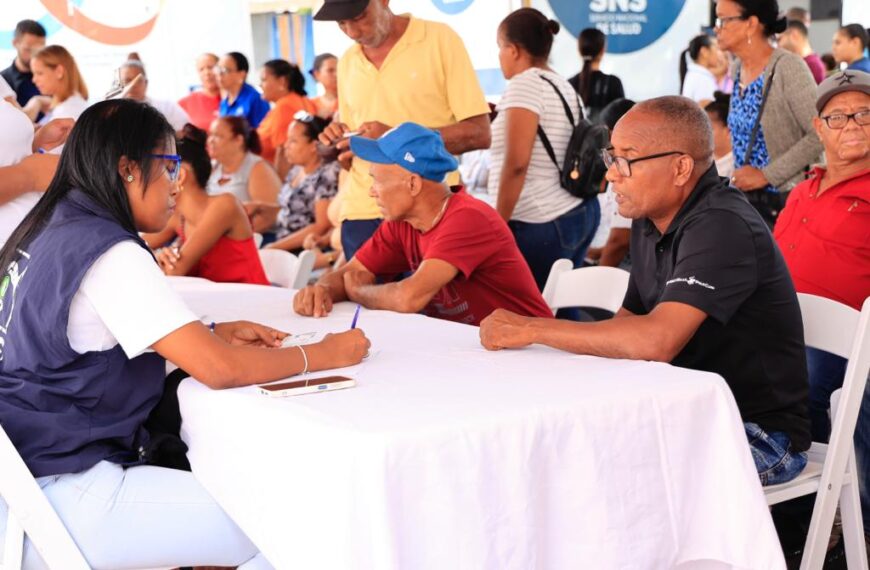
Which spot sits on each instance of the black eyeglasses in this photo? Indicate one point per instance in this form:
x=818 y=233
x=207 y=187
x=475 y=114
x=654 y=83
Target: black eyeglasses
x=839 y=121
x=720 y=22
x=623 y=165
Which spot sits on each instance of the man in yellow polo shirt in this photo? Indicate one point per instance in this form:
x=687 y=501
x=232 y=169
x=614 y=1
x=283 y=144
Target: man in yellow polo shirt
x=402 y=69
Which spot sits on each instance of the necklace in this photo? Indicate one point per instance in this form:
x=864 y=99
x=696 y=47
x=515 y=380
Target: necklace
x=441 y=213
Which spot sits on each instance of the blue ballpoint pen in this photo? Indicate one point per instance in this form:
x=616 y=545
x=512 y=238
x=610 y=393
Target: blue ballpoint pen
x=355 y=317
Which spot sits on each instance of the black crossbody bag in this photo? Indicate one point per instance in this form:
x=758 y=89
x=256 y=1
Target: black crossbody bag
x=768 y=204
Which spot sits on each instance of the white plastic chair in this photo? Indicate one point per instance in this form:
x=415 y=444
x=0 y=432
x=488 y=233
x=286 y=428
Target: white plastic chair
x=831 y=471
x=258 y=239
x=285 y=269
x=598 y=287
x=31 y=514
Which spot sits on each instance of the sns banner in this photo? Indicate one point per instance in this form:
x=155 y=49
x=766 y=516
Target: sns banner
x=167 y=34
x=630 y=25
x=644 y=39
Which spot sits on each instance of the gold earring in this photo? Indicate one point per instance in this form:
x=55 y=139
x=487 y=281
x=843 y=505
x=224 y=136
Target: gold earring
x=749 y=40
x=181 y=187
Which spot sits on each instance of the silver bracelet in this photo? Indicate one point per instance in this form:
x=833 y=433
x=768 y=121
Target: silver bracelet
x=305 y=357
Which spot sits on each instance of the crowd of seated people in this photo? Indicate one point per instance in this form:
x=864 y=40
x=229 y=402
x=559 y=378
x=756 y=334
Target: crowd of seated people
x=208 y=236
x=723 y=204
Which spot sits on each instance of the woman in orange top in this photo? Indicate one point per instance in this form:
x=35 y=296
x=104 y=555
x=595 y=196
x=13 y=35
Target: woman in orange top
x=284 y=85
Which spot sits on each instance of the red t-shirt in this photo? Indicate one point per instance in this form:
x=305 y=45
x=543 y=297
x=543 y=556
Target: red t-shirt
x=473 y=238
x=201 y=108
x=826 y=239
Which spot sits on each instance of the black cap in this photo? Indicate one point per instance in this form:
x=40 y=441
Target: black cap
x=334 y=10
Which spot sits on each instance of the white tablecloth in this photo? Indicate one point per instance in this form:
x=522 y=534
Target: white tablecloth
x=449 y=457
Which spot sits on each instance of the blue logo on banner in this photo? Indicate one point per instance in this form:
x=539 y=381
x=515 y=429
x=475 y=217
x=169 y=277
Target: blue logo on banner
x=630 y=25
x=452 y=6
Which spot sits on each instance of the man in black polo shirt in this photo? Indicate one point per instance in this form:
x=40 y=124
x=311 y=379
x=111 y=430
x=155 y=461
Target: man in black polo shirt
x=709 y=289
x=28 y=39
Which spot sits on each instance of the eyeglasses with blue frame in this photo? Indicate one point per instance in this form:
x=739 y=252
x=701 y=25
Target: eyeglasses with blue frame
x=173 y=167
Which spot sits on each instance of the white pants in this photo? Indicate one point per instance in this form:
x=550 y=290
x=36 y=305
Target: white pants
x=142 y=517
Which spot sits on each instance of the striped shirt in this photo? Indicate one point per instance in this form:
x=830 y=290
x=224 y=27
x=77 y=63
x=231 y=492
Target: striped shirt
x=542 y=199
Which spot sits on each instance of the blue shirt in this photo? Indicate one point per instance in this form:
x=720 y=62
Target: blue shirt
x=862 y=64
x=741 y=119
x=249 y=104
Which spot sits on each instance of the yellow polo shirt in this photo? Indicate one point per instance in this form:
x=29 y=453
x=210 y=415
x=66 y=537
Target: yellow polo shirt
x=427 y=78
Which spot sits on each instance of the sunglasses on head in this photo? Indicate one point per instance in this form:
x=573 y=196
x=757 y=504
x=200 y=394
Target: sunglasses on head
x=303 y=116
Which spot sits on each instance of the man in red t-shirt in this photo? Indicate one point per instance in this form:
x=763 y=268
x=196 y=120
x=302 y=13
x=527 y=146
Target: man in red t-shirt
x=202 y=105
x=824 y=235
x=824 y=229
x=463 y=258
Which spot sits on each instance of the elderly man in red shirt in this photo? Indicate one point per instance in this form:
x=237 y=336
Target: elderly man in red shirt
x=824 y=235
x=463 y=259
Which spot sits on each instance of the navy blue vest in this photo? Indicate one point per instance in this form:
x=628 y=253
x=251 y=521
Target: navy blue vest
x=66 y=411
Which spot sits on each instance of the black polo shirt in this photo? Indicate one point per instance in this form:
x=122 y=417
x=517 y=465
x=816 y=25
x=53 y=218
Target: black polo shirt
x=718 y=256
x=21 y=82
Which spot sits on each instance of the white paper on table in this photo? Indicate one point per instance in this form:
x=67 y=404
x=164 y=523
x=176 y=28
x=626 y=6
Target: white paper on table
x=302 y=339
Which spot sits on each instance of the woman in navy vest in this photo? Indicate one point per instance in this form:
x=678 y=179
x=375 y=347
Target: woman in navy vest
x=83 y=301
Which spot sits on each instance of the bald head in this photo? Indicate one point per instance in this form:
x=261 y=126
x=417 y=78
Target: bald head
x=675 y=123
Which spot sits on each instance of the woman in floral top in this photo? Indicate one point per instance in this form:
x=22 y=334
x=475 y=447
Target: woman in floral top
x=785 y=142
x=310 y=185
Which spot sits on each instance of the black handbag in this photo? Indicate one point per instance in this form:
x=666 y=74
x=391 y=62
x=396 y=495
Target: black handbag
x=165 y=447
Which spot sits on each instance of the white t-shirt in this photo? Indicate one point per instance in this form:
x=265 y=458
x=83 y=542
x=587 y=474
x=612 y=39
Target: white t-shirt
x=725 y=165
x=17 y=140
x=124 y=299
x=72 y=108
x=700 y=83
x=542 y=199
x=611 y=219
x=15 y=144
x=5 y=89
x=175 y=115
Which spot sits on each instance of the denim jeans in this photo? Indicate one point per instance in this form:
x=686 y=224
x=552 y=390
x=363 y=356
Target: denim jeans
x=354 y=233
x=826 y=376
x=568 y=236
x=774 y=460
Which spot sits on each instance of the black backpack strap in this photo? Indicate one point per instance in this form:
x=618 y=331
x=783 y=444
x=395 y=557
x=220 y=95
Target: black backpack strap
x=548 y=147
x=546 y=141
x=565 y=105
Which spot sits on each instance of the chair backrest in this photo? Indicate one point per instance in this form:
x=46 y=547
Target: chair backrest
x=282 y=267
x=304 y=269
x=841 y=330
x=30 y=511
x=598 y=287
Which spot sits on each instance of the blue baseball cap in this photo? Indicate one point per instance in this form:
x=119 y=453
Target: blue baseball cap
x=414 y=148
